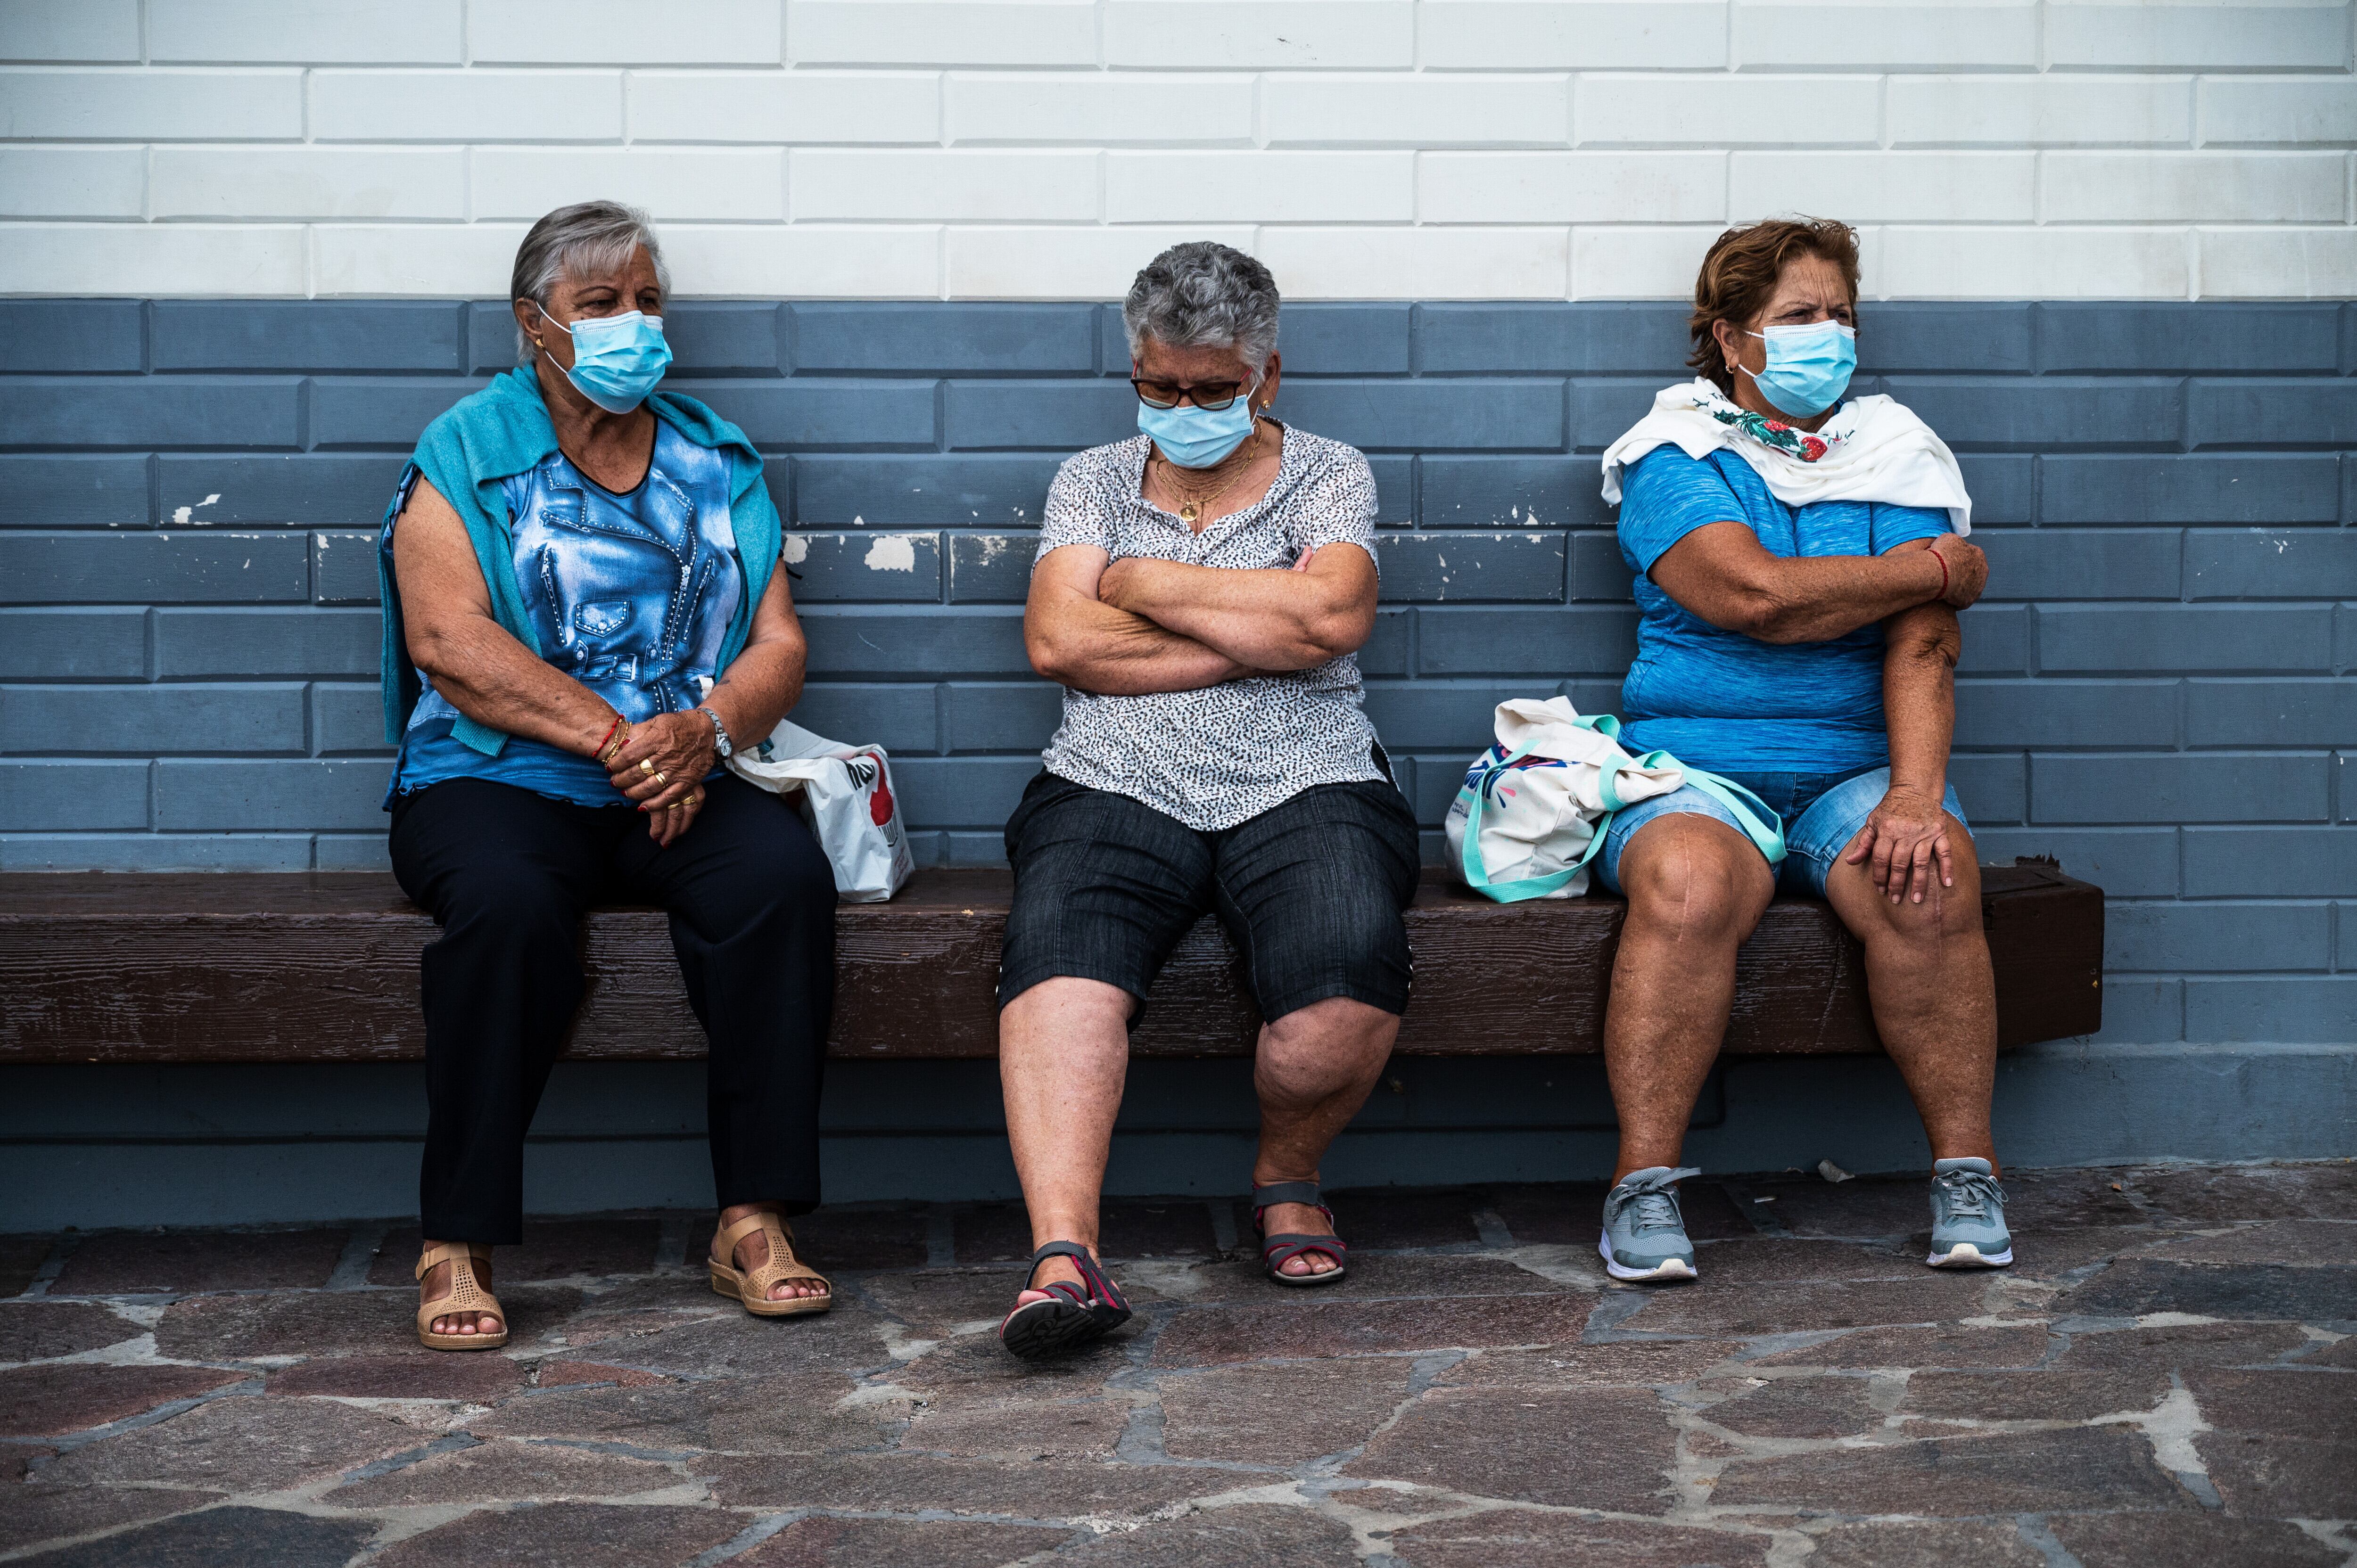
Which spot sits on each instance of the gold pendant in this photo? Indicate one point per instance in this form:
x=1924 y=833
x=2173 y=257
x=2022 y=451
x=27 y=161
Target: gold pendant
x=1191 y=512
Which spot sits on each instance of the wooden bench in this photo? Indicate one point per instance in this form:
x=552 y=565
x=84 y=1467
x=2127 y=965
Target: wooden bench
x=238 y=967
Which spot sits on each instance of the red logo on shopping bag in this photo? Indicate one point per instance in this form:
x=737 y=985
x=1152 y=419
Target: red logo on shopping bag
x=879 y=805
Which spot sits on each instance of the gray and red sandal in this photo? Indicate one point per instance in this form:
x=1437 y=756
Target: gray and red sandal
x=1275 y=1251
x=1071 y=1316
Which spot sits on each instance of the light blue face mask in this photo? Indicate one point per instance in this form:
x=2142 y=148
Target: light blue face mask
x=616 y=359
x=1809 y=367
x=1199 y=437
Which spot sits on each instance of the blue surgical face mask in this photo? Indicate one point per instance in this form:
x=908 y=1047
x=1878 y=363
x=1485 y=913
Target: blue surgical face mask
x=616 y=359
x=1809 y=367
x=1199 y=437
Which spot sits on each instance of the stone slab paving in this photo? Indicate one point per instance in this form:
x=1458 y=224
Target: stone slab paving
x=2168 y=1378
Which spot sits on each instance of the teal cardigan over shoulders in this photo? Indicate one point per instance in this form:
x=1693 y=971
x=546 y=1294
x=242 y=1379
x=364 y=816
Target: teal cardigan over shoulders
x=502 y=431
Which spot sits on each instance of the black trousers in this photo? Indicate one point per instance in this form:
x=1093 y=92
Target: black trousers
x=507 y=875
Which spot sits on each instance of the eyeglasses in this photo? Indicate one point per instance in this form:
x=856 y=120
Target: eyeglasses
x=1208 y=396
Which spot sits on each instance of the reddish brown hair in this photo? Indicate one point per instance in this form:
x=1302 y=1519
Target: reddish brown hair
x=1738 y=278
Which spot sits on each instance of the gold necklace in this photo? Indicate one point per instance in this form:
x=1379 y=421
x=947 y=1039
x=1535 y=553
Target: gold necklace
x=1189 y=510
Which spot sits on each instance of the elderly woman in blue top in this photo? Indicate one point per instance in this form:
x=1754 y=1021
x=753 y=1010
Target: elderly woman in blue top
x=1799 y=562
x=583 y=616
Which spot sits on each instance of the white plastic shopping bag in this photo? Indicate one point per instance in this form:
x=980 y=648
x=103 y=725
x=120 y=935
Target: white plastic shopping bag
x=844 y=792
x=1527 y=819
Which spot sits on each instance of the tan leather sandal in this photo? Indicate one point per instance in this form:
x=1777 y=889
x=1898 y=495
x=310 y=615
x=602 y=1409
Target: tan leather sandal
x=751 y=1287
x=465 y=1295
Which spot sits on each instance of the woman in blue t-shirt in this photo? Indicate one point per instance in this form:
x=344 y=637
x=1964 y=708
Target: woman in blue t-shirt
x=1800 y=560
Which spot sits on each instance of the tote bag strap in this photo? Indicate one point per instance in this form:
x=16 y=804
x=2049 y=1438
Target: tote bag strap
x=1477 y=876
x=1762 y=826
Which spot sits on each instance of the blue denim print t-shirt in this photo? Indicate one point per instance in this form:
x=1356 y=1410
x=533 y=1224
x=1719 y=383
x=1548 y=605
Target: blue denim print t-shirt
x=1721 y=700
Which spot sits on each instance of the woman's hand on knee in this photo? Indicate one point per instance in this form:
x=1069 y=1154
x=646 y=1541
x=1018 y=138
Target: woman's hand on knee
x=660 y=769
x=1904 y=846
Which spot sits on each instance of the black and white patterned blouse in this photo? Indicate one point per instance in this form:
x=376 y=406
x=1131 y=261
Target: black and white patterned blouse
x=1214 y=758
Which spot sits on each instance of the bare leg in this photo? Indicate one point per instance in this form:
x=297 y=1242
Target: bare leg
x=1934 y=995
x=1696 y=888
x=753 y=1250
x=1064 y=1056
x=1315 y=1068
x=437 y=1282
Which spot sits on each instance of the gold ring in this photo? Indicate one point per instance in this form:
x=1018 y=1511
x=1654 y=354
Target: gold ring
x=661 y=778
x=646 y=765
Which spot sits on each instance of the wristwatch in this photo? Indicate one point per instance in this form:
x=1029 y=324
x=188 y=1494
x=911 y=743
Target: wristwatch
x=720 y=741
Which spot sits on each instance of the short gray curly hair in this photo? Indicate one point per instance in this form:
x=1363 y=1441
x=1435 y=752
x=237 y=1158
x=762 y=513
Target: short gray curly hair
x=586 y=237
x=1203 y=295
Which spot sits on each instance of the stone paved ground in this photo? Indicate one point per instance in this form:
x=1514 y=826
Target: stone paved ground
x=2162 y=1381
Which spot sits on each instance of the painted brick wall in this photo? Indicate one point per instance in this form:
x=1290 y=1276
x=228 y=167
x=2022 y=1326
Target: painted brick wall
x=2156 y=688
x=1000 y=149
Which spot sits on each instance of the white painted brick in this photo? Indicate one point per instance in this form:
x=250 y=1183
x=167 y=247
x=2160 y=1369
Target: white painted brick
x=2033 y=263
x=445 y=260
x=2278 y=263
x=1102 y=110
x=745 y=263
x=1417 y=111
x=2065 y=111
x=1902 y=188
x=942 y=32
x=2277 y=109
x=1269 y=35
x=739 y=185
x=1589 y=34
x=2261 y=188
x=1417 y=264
x=974 y=186
x=309 y=182
x=1571 y=187
x=1638 y=264
x=2198 y=37
x=150 y=105
x=1724 y=111
x=2001 y=34
x=1269 y=187
x=81 y=30
x=801 y=106
x=309 y=32
x=154 y=260
x=626 y=32
x=1063 y=264
x=466 y=105
x=72 y=182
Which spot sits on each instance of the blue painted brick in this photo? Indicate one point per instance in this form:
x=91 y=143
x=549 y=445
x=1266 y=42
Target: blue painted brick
x=1458 y=567
x=157 y=851
x=1602 y=410
x=944 y=339
x=2164 y=936
x=200 y=796
x=1432 y=787
x=970 y=490
x=2344 y=958
x=56 y=491
x=2112 y=337
x=1062 y=416
x=308 y=335
x=151 y=411
x=932 y=643
x=1599 y=571
x=2207 y=490
x=2268 y=413
x=1609 y=335
x=2348 y=340
x=1446 y=715
x=1997 y=641
x=991 y=568
x=972 y=792
x=2271 y=564
x=2103 y=638
x=2052 y=414
x=166 y=568
x=2207 y=787
x=1345 y=340
x=1432 y=416
x=1506 y=492
x=343 y=568
x=73 y=796
x=2277 y=863
x=491 y=337
x=1395 y=479
x=144 y=720
x=196 y=645
x=983 y=851
x=2084 y=564
x=778 y=476
x=2290 y=1010
x=1552 y=642
x=381 y=410
x=2004 y=487
x=1113 y=342
x=1385 y=652
x=731 y=338
x=1992 y=788
x=73 y=645
x=2271 y=713
x=2141 y=1010
x=1969 y=339
x=346 y=720
x=67 y=336
x=2126 y=863
x=346 y=487
x=2345 y=787
x=351 y=851
x=900 y=718
x=1016 y=716
x=866 y=568
x=2066 y=714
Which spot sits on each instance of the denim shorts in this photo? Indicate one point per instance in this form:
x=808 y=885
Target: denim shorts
x=1310 y=892
x=1821 y=814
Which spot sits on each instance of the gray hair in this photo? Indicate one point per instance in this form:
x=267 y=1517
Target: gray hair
x=586 y=238
x=1203 y=295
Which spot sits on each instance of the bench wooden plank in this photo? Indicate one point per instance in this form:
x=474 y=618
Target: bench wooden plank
x=323 y=967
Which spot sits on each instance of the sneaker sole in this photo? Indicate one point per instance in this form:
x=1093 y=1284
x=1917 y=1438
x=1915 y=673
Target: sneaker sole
x=1964 y=1255
x=1670 y=1269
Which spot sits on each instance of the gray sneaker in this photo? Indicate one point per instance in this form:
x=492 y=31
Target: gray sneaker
x=1644 y=1235
x=1967 y=1216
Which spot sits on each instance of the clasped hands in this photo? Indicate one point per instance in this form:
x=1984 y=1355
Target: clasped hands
x=660 y=766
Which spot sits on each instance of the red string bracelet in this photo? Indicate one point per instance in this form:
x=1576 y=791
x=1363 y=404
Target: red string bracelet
x=607 y=738
x=1943 y=571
